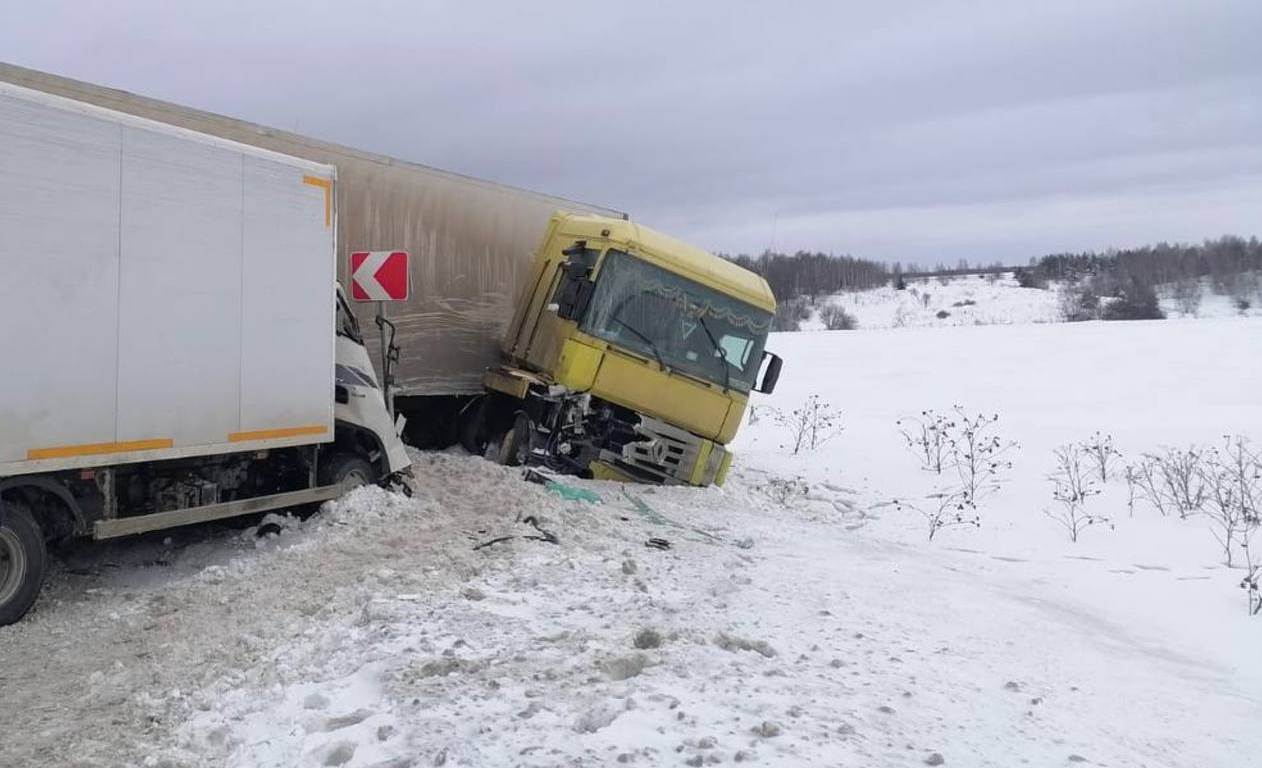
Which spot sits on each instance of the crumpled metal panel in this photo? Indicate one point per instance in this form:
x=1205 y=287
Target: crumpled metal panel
x=471 y=240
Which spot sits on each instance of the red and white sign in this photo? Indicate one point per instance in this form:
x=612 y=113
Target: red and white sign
x=380 y=276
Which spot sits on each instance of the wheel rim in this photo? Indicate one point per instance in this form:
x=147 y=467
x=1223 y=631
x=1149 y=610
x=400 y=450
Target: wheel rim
x=12 y=565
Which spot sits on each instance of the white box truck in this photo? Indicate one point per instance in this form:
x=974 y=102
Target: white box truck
x=472 y=243
x=176 y=346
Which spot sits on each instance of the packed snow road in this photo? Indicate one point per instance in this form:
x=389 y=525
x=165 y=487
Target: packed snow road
x=811 y=628
x=375 y=634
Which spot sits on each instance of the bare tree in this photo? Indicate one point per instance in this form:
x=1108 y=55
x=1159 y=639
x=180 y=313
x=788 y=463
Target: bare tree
x=1078 y=301
x=1244 y=289
x=789 y=314
x=1073 y=484
x=1187 y=295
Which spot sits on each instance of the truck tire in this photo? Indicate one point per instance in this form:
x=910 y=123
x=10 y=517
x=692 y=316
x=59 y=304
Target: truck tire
x=22 y=561
x=473 y=427
x=515 y=445
x=346 y=470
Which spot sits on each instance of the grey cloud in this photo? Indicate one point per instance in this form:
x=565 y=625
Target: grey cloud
x=912 y=131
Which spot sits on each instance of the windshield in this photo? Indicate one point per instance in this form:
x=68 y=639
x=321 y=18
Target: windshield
x=347 y=325
x=678 y=322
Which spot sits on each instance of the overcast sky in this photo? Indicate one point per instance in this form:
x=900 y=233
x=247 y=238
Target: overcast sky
x=914 y=131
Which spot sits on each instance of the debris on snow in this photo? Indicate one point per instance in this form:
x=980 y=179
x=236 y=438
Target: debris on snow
x=733 y=643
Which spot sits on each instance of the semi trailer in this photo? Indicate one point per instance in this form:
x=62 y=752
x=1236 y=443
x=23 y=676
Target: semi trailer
x=186 y=354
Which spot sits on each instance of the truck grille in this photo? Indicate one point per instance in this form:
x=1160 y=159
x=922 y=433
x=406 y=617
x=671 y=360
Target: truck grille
x=665 y=454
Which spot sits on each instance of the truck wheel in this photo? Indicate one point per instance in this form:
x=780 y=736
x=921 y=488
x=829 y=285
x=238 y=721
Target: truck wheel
x=346 y=470
x=22 y=561
x=473 y=429
x=515 y=445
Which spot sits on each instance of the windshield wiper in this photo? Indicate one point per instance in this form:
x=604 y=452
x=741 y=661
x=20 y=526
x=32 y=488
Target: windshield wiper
x=720 y=353
x=646 y=339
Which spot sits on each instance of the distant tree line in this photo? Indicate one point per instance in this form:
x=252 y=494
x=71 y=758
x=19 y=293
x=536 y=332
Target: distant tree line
x=1112 y=285
x=814 y=274
x=799 y=279
x=1121 y=284
x=1221 y=260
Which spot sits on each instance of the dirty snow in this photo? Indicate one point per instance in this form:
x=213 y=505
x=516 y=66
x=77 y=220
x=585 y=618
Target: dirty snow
x=824 y=631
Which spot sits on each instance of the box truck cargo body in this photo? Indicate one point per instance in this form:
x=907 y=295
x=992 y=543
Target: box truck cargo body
x=471 y=241
x=164 y=291
x=176 y=346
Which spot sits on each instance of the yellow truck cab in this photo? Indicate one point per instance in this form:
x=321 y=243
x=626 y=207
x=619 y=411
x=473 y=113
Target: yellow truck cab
x=631 y=356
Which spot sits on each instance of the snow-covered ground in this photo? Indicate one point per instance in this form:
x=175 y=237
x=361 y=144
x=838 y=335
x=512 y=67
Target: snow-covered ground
x=822 y=631
x=989 y=300
x=966 y=300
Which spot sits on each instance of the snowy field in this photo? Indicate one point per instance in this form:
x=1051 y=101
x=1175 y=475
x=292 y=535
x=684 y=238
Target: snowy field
x=824 y=630
x=981 y=300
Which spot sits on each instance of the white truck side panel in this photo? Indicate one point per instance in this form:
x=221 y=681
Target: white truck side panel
x=162 y=293
x=287 y=343
x=59 y=199
x=180 y=293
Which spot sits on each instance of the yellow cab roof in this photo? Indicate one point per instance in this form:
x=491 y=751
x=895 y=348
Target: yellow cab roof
x=674 y=255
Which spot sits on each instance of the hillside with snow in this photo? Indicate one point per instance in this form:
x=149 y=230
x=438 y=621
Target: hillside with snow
x=978 y=299
x=797 y=616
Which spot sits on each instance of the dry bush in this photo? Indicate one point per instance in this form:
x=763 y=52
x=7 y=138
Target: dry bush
x=1232 y=482
x=1073 y=484
x=811 y=425
x=1180 y=473
x=836 y=318
x=1145 y=482
x=926 y=437
x=970 y=446
x=978 y=453
x=1101 y=454
x=948 y=509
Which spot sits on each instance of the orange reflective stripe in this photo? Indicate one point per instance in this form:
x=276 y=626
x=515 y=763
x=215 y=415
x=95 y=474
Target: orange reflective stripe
x=274 y=434
x=327 y=186
x=95 y=449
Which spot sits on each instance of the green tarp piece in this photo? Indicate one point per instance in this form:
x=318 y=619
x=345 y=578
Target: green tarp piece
x=653 y=516
x=571 y=493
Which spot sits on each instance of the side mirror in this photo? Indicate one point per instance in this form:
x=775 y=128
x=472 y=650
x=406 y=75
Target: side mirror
x=574 y=293
x=770 y=374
